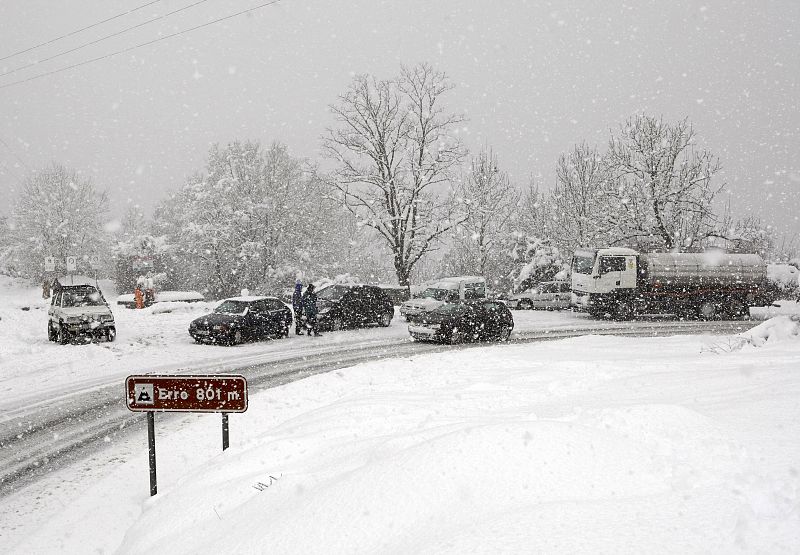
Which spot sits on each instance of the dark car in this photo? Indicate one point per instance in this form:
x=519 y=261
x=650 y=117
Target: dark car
x=479 y=320
x=243 y=318
x=352 y=306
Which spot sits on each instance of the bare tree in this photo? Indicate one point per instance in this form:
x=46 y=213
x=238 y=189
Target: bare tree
x=395 y=150
x=491 y=202
x=578 y=200
x=58 y=214
x=662 y=186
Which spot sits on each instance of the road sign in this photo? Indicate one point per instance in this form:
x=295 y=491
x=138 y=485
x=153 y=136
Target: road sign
x=71 y=264
x=94 y=262
x=207 y=393
x=49 y=264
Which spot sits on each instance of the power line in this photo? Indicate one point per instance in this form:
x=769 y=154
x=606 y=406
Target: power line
x=79 y=30
x=73 y=66
x=37 y=62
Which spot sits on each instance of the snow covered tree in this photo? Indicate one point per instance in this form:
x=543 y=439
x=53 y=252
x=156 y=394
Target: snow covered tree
x=535 y=260
x=663 y=189
x=394 y=150
x=578 y=202
x=58 y=214
x=250 y=222
x=490 y=203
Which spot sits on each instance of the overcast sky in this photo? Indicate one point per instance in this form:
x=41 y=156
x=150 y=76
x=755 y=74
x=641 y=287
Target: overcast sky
x=533 y=78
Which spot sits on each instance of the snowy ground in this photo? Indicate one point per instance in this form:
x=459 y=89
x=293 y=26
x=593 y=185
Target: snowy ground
x=593 y=444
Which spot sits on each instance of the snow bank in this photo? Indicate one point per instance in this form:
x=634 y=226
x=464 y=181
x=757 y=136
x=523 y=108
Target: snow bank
x=774 y=330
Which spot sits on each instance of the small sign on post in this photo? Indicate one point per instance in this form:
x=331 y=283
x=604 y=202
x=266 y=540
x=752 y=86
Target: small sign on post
x=72 y=264
x=171 y=393
x=49 y=264
x=94 y=262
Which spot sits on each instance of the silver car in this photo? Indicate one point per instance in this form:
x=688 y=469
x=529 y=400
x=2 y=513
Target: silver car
x=79 y=311
x=549 y=295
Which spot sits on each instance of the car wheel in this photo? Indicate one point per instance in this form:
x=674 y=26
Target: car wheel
x=337 y=324
x=51 y=335
x=525 y=305
x=111 y=334
x=386 y=320
x=456 y=336
x=505 y=333
x=707 y=311
x=62 y=336
x=237 y=337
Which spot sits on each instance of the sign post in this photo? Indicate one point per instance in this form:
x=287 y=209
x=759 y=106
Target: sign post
x=171 y=393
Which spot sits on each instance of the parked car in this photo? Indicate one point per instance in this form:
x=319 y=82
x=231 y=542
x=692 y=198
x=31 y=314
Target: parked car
x=481 y=320
x=550 y=295
x=352 y=306
x=446 y=290
x=79 y=310
x=243 y=318
x=396 y=293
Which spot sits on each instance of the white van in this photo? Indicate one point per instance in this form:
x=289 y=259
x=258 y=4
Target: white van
x=445 y=290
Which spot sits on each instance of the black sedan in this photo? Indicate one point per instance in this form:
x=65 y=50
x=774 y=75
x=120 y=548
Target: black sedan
x=479 y=320
x=352 y=306
x=243 y=318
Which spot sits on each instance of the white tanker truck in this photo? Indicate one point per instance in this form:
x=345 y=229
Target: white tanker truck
x=622 y=282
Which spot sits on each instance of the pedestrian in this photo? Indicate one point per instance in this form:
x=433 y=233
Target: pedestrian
x=149 y=292
x=310 y=309
x=138 y=297
x=297 y=306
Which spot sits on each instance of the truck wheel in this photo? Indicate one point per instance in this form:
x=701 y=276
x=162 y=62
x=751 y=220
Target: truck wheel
x=707 y=311
x=111 y=334
x=738 y=310
x=624 y=311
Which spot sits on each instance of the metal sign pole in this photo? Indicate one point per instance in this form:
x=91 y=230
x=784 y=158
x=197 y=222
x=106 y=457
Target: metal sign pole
x=225 y=438
x=151 y=444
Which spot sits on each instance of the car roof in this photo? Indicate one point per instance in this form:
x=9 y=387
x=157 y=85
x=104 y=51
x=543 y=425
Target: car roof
x=74 y=281
x=250 y=298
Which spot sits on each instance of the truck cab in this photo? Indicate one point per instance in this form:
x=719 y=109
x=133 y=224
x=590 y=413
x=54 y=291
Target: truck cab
x=601 y=275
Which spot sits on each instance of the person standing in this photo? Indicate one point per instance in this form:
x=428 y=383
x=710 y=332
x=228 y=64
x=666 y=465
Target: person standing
x=138 y=297
x=310 y=309
x=297 y=306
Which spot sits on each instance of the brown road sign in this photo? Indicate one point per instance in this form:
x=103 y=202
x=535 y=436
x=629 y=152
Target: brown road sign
x=209 y=393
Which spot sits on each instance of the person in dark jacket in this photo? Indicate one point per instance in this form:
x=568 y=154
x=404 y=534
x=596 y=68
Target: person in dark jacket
x=297 y=306
x=310 y=309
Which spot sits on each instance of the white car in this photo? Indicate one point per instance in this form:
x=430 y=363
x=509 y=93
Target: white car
x=79 y=310
x=446 y=290
x=550 y=295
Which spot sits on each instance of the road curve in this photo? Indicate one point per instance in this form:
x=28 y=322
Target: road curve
x=45 y=436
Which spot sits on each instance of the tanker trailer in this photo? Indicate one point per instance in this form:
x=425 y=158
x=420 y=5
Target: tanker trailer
x=622 y=283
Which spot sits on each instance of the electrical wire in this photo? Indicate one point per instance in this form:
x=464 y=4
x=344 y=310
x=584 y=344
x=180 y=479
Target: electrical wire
x=123 y=31
x=51 y=41
x=73 y=66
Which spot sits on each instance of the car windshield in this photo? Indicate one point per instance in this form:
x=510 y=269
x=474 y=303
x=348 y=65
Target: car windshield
x=451 y=308
x=84 y=297
x=232 y=307
x=437 y=294
x=333 y=293
x=583 y=262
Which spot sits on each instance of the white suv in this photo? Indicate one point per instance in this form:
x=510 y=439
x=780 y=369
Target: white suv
x=446 y=290
x=78 y=309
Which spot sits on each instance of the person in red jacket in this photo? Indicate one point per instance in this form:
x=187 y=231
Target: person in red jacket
x=138 y=297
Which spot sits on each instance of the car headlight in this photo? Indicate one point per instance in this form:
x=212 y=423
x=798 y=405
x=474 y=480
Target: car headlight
x=220 y=327
x=435 y=326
